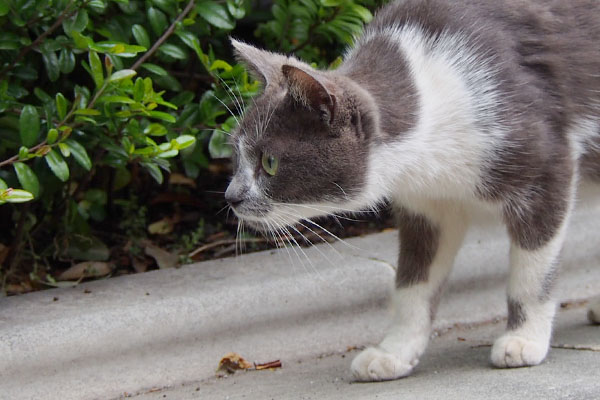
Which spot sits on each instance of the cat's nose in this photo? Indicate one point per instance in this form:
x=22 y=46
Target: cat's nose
x=233 y=201
x=233 y=196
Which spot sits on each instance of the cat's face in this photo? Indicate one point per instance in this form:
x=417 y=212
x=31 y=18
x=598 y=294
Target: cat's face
x=301 y=148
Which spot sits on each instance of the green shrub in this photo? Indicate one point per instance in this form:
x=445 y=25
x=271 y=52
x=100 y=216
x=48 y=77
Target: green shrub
x=94 y=88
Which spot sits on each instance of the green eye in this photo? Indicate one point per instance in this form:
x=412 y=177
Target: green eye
x=270 y=164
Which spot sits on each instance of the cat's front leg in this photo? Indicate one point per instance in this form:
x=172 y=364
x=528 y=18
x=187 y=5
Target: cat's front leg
x=428 y=245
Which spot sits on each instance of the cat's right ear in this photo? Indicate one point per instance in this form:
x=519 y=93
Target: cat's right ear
x=262 y=65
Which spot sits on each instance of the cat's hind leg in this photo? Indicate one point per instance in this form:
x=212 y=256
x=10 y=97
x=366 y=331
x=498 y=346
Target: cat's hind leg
x=537 y=234
x=428 y=245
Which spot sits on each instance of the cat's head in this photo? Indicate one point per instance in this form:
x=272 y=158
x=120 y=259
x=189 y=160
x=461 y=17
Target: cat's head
x=301 y=150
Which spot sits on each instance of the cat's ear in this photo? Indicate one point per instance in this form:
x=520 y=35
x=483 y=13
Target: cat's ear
x=307 y=90
x=262 y=65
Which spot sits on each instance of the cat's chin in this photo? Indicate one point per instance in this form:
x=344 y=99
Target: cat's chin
x=267 y=223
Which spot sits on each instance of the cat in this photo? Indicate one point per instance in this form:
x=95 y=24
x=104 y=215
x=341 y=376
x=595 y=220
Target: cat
x=445 y=109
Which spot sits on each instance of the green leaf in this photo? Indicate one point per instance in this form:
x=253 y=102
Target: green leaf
x=51 y=64
x=116 y=99
x=183 y=98
x=183 y=141
x=96 y=67
x=235 y=11
x=76 y=23
x=191 y=41
x=141 y=35
x=215 y=14
x=61 y=106
x=363 y=12
x=122 y=74
x=155 y=69
x=162 y=116
x=58 y=166
x=155 y=129
x=16 y=196
x=27 y=178
x=88 y=112
x=158 y=20
x=220 y=64
x=23 y=153
x=81 y=41
x=218 y=146
x=138 y=89
x=52 y=136
x=173 y=51
x=97 y=5
x=154 y=171
x=169 y=153
x=29 y=125
x=4 y=7
x=3 y=185
x=64 y=149
x=79 y=153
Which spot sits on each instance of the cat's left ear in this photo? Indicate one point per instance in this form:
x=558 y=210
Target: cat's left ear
x=262 y=65
x=307 y=90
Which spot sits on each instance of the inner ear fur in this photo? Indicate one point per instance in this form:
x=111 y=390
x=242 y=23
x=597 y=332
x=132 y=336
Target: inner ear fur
x=308 y=91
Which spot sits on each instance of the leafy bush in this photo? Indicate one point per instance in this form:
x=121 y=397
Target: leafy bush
x=92 y=91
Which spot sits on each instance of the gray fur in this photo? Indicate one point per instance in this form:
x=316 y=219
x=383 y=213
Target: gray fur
x=516 y=315
x=419 y=240
x=322 y=125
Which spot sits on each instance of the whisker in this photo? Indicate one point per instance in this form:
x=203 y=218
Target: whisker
x=323 y=229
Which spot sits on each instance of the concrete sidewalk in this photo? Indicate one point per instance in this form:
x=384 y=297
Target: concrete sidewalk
x=164 y=328
x=455 y=367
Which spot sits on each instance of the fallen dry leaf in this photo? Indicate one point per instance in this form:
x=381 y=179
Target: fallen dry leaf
x=86 y=269
x=232 y=362
x=161 y=227
x=270 y=364
x=140 y=265
x=163 y=258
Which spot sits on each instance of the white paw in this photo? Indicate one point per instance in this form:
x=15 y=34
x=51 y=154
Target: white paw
x=511 y=351
x=374 y=364
x=594 y=313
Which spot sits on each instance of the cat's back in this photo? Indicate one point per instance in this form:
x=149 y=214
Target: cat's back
x=550 y=45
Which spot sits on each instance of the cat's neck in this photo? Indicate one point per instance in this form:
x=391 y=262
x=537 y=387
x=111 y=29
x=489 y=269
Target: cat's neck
x=438 y=107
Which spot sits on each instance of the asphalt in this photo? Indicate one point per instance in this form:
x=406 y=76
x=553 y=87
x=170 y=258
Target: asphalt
x=163 y=329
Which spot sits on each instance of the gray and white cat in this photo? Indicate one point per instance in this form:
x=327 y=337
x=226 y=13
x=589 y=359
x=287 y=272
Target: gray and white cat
x=447 y=110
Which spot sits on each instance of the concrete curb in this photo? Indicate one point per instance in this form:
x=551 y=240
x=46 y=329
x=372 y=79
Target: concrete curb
x=171 y=326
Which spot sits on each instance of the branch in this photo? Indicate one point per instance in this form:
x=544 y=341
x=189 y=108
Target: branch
x=164 y=36
x=64 y=15
x=38 y=146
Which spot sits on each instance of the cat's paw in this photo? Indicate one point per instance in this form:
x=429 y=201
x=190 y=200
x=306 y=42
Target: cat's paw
x=511 y=351
x=594 y=312
x=374 y=364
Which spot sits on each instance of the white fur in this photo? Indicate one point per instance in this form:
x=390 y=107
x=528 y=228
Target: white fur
x=458 y=132
x=400 y=350
x=443 y=156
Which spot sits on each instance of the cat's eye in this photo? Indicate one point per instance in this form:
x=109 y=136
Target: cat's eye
x=269 y=164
